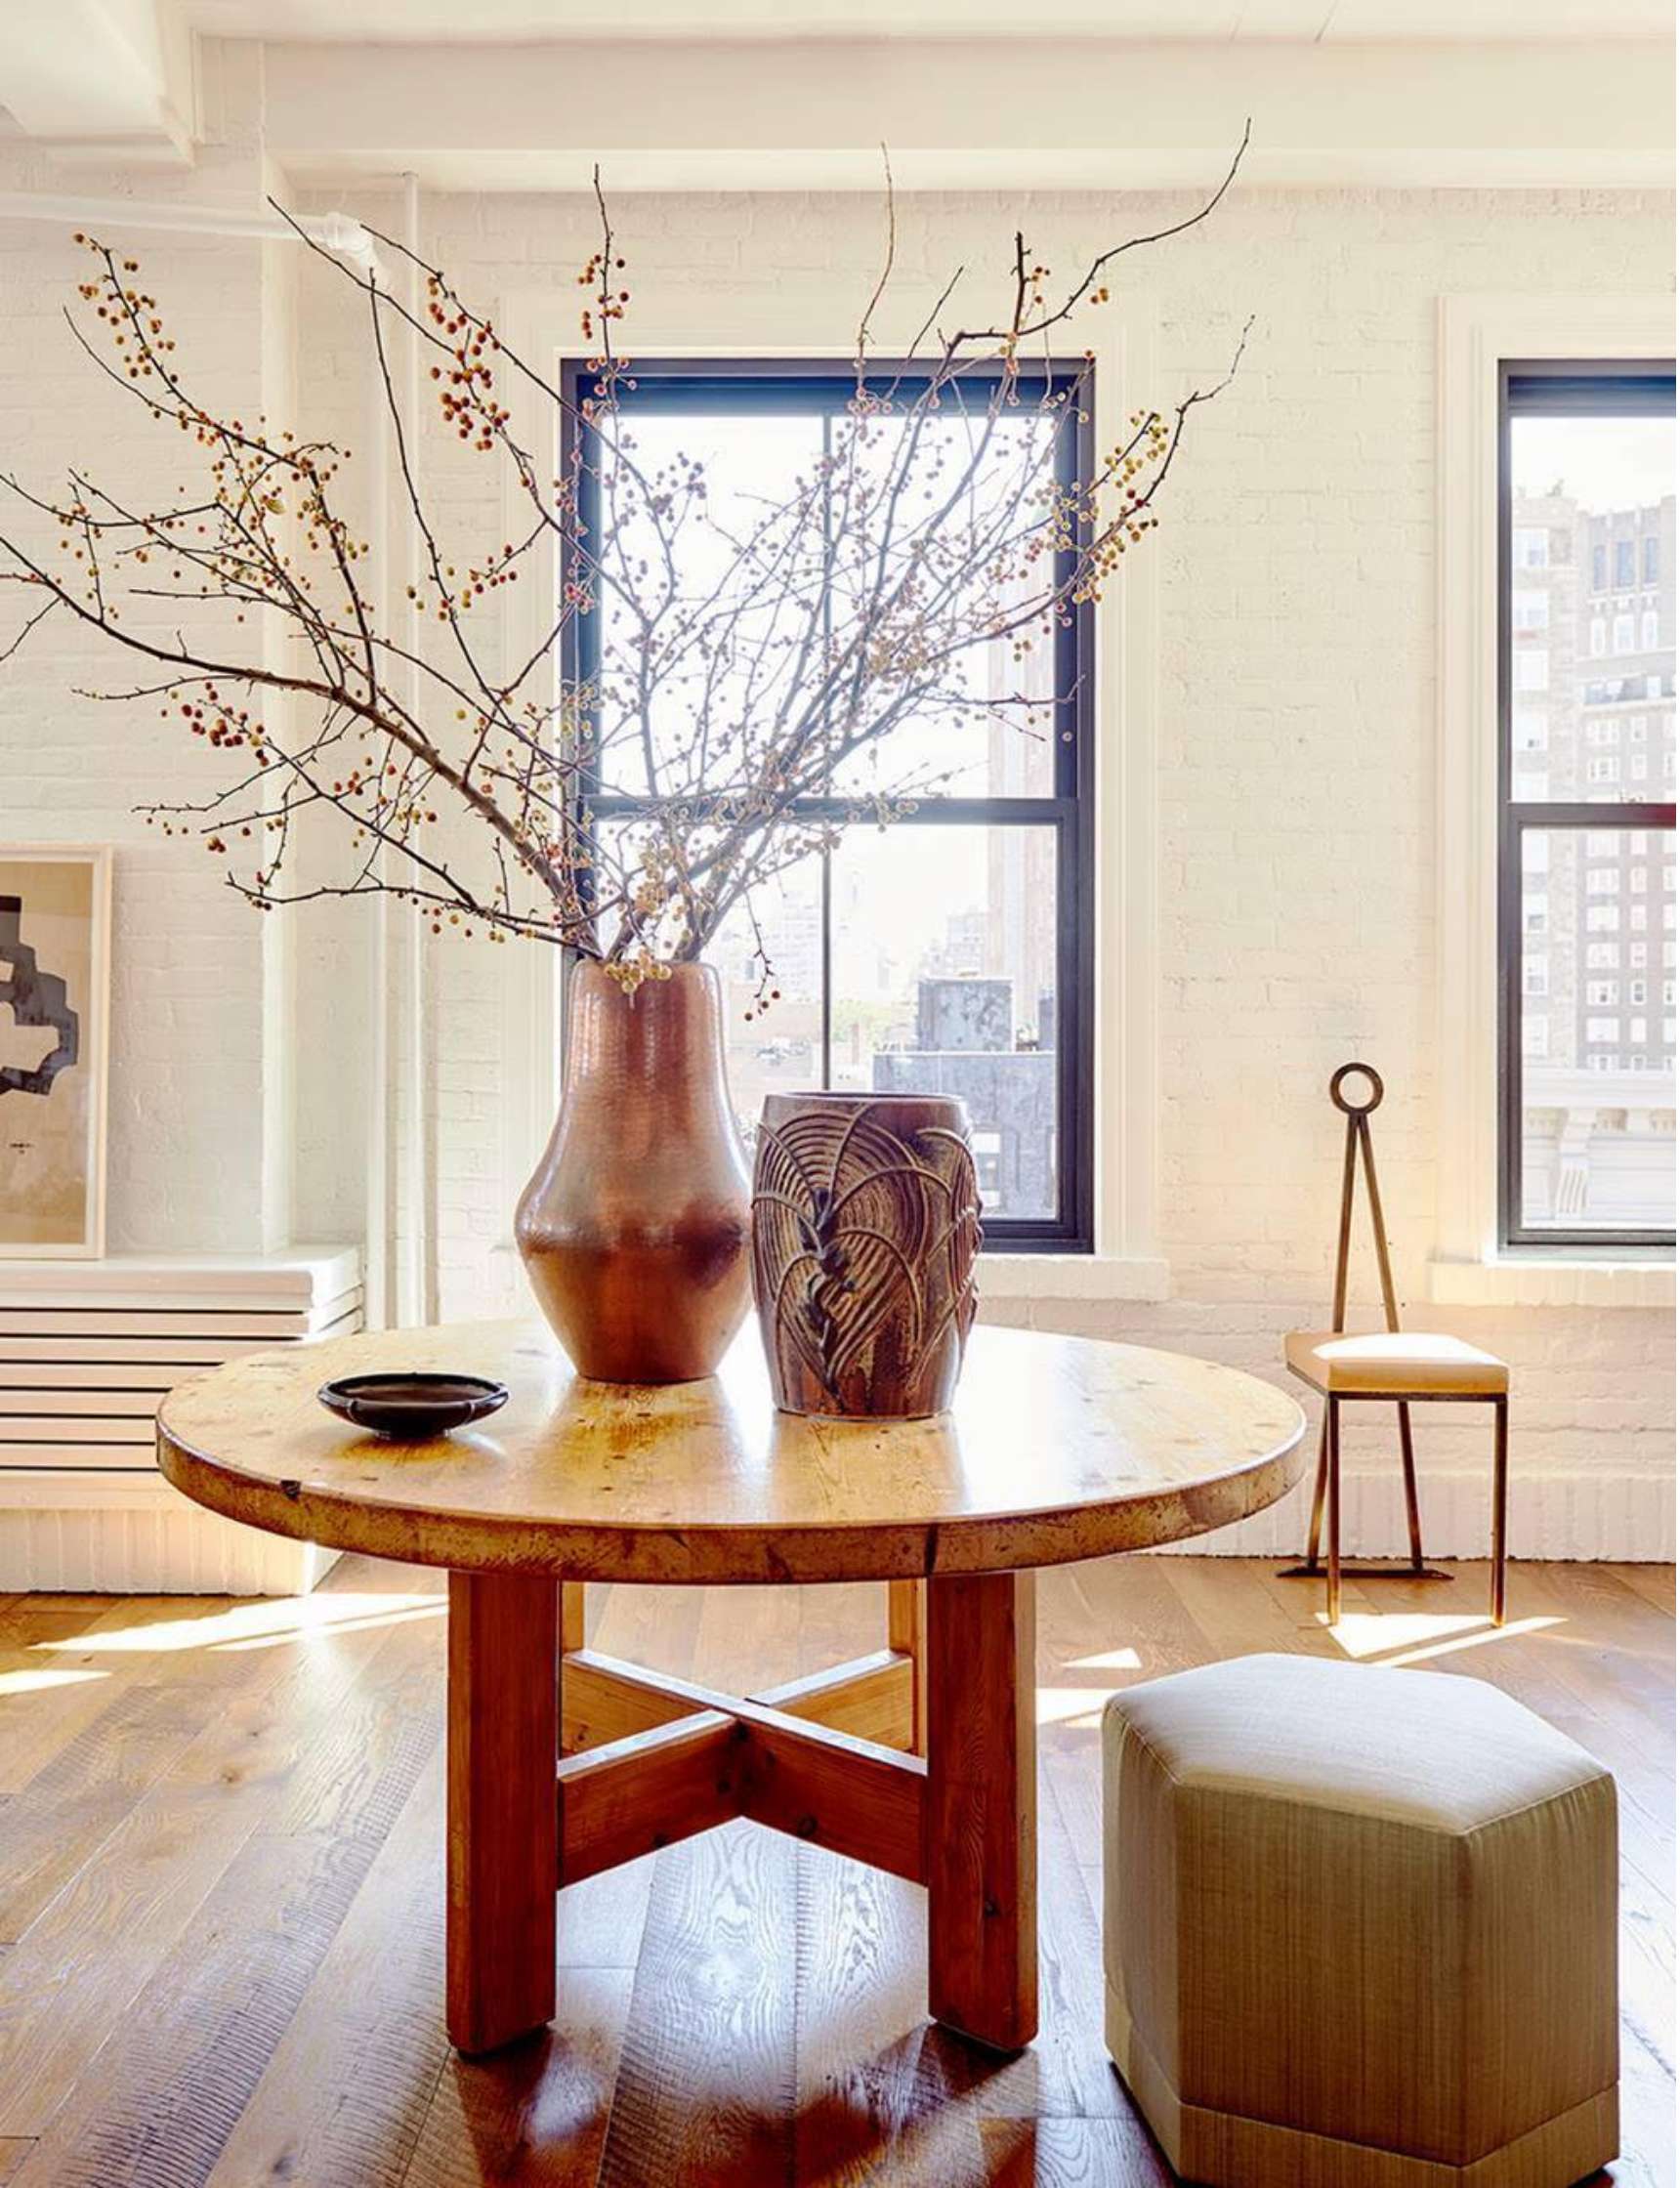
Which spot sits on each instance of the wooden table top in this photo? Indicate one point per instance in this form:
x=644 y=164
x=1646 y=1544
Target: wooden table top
x=1057 y=1449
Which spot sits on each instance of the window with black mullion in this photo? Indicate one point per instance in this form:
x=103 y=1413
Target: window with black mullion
x=951 y=951
x=1587 y=939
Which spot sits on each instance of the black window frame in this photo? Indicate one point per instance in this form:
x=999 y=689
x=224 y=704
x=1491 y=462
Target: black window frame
x=824 y=386
x=1551 y=387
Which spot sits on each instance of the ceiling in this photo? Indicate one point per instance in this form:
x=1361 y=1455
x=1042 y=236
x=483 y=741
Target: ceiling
x=970 y=94
x=1219 y=21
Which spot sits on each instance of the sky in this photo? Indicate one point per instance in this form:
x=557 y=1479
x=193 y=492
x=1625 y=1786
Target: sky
x=1604 y=463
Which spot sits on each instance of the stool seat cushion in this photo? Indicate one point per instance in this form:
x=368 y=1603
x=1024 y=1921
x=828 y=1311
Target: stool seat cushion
x=1359 y=1929
x=1393 y=1364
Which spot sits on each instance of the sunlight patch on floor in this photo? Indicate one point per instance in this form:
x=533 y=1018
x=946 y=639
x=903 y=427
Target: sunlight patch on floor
x=270 y=1623
x=1109 y=1660
x=1507 y=1632
x=33 y=1682
x=1370 y=1634
x=1071 y=1705
x=1416 y=1636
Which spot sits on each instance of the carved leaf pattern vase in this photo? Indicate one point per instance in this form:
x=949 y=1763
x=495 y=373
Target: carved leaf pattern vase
x=865 y=1226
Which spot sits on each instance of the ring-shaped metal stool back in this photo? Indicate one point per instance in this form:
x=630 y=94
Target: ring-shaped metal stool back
x=1397 y=1368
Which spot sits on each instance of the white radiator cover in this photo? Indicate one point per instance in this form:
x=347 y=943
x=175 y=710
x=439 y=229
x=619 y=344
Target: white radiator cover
x=86 y=1351
x=75 y=1534
x=1626 y=1517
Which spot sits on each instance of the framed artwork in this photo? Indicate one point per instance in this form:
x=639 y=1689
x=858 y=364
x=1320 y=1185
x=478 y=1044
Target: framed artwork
x=55 y=1019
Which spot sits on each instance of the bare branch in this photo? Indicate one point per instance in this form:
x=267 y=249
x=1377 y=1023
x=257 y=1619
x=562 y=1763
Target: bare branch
x=752 y=650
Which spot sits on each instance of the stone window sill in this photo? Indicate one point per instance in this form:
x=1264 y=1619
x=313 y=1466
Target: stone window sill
x=1542 y=1279
x=1071 y=1276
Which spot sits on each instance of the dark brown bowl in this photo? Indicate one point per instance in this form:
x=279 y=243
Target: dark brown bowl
x=411 y=1407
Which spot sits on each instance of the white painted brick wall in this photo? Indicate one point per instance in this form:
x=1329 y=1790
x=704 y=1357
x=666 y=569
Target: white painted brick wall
x=1297 y=761
x=187 y=1076
x=1297 y=777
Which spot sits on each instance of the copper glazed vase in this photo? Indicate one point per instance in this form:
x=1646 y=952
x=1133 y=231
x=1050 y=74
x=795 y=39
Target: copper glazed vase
x=634 y=1229
x=866 y=1225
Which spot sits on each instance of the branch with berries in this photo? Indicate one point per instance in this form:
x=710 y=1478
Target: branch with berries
x=758 y=653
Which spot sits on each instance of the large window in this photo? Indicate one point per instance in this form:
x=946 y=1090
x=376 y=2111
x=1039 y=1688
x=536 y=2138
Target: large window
x=950 y=951
x=1587 y=523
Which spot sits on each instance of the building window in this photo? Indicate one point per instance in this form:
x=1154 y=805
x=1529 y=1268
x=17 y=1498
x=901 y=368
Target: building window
x=1529 y=547
x=1529 y=732
x=1586 y=449
x=952 y=951
x=1533 y=669
x=1533 y=613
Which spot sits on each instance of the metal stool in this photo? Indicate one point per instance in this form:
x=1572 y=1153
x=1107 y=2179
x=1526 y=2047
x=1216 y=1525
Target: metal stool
x=1393 y=1367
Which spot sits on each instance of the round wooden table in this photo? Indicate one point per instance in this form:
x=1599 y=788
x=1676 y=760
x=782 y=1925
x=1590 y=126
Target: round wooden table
x=919 y=1758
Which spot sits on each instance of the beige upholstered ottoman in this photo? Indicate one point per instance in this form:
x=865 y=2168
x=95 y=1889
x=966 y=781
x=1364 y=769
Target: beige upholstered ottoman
x=1359 y=1929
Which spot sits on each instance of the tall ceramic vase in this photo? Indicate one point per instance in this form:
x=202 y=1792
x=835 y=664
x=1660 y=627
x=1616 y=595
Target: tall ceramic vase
x=634 y=1229
x=866 y=1224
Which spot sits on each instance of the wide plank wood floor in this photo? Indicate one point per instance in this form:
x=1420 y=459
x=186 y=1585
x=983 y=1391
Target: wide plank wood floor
x=221 y=1895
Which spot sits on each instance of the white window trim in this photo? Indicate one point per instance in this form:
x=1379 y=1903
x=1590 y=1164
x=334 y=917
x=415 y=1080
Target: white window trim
x=1474 y=334
x=779 y=319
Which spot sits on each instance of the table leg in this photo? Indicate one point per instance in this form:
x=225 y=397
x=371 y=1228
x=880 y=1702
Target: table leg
x=571 y=1637
x=503 y=1849
x=982 y=1808
x=908 y=1632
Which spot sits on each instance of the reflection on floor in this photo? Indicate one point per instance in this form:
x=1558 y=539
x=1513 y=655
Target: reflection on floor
x=221 y=1907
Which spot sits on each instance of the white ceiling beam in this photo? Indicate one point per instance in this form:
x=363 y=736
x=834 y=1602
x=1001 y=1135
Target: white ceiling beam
x=106 y=81
x=1088 y=113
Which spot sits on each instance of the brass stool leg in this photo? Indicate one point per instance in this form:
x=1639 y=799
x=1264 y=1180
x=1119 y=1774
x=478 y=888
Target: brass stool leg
x=1409 y=1467
x=1501 y=1486
x=1333 y=1454
x=1312 y=1564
